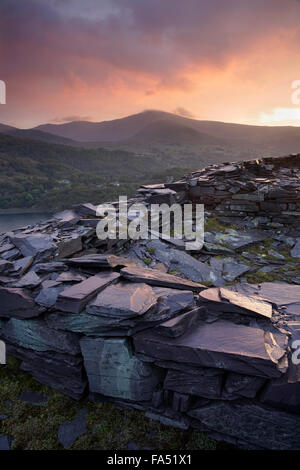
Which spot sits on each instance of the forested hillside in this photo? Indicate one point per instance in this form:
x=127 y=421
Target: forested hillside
x=50 y=176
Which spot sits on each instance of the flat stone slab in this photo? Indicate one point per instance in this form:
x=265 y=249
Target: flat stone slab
x=184 y=263
x=70 y=431
x=229 y=301
x=98 y=261
x=5 y=442
x=158 y=278
x=295 y=251
x=279 y=293
x=29 y=280
x=33 y=398
x=124 y=299
x=179 y=325
x=36 y=335
x=238 y=241
x=76 y=297
x=206 y=386
x=221 y=344
x=16 y=302
x=113 y=370
x=36 y=245
x=256 y=425
x=243 y=385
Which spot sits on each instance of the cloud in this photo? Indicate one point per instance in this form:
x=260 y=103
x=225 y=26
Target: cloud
x=184 y=112
x=71 y=54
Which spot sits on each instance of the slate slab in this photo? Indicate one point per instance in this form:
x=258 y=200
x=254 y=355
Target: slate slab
x=29 y=280
x=243 y=385
x=16 y=302
x=5 y=442
x=179 y=325
x=199 y=385
x=295 y=251
x=124 y=299
x=184 y=263
x=35 y=335
x=97 y=261
x=74 y=299
x=39 y=246
x=158 y=278
x=114 y=371
x=227 y=300
x=257 y=425
x=47 y=297
x=220 y=344
x=70 y=431
x=33 y=398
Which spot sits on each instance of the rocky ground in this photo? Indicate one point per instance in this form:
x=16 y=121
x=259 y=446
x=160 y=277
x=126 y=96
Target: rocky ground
x=198 y=340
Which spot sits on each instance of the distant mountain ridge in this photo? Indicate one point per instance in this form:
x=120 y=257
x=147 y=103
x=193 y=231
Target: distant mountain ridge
x=125 y=128
x=150 y=127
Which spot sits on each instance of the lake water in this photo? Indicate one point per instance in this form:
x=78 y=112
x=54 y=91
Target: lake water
x=13 y=221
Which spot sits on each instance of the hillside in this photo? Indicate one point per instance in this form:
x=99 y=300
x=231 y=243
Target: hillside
x=51 y=176
x=35 y=134
x=167 y=132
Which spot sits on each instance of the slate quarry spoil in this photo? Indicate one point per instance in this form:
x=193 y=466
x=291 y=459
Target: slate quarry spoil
x=194 y=339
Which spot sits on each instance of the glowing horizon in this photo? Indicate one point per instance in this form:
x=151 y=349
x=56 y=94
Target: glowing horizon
x=105 y=59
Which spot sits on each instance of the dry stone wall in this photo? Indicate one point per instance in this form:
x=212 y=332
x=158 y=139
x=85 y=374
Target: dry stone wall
x=91 y=320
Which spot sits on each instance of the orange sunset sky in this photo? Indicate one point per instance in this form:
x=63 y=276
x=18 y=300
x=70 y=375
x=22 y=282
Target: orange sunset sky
x=226 y=60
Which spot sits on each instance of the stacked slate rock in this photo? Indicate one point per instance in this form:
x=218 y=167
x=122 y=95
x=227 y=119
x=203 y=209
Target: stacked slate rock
x=88 y=318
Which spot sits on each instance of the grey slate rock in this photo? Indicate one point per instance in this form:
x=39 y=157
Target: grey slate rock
x=33 y=398
x=5 y=442
x=199 y=385
x=113 y=370
x=232 y=270
x=259 y=426
x=29 y=280
x=283 y=395
x=157 y=278
x=51 y=267
x=227 y=300
x=34 y=334
x=97 y=261
x=295 y=252
x=70 y=431
x=220 y=344
x=21 y=265
x=5 y=266
x=184 y=263
x=75 y=298
x=47 y=297
x=60 y=371
x=243 y=385
x=86 y=209
x=16 y=302
x=39 y=246
x=179 y=325
x=124 y=300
